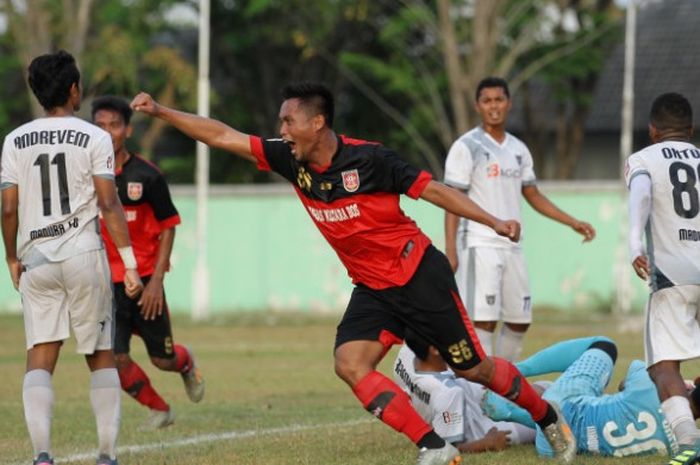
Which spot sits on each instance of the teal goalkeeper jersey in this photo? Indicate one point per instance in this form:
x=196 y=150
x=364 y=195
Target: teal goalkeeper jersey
x=627 y=423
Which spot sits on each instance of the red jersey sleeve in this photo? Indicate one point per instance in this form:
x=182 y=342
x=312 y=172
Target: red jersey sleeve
x=256 y=147
x=419 y=185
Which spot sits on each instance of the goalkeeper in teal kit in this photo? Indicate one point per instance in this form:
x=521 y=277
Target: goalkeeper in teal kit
x=626 y=423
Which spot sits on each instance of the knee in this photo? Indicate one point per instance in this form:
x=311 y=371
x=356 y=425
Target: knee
x=164 y=364
x=481 y=373
x=607 y=346
x=122 y=361
x=517 y=327
x=351 y=371
x=661 y=371
x=489 y=326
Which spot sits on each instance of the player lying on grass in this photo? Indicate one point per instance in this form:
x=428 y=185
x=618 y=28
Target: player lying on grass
x=626 y=423
x=629 y=422
x=350 y=189
x=452 y=405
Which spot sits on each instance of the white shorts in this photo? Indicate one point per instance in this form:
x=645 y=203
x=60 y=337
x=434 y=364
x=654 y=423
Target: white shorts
x=75 y=293
x=672 y=330
x=493 y=284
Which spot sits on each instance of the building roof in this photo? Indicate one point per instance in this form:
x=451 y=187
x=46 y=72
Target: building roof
x=667 y=60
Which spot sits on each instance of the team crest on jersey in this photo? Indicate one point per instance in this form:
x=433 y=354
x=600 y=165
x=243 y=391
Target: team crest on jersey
x=134 y=190
x=491 y=299
x=519 y=159
x=351 y=180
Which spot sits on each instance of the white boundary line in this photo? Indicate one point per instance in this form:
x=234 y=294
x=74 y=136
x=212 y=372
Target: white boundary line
x=205 y=438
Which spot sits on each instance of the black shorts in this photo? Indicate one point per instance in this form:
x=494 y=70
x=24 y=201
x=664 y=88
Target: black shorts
x=156 y=334
x=429 y=304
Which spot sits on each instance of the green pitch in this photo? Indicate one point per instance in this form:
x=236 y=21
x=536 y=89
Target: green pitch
x=272 y=398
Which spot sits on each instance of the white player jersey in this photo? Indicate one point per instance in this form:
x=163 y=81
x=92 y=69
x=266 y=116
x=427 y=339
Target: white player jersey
x=494 y=175
x=52 y=161
x=673 y=229
x=451 y=405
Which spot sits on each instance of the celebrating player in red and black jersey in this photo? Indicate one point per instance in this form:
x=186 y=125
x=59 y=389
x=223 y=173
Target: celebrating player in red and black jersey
x=151 y=217
x=351 y=189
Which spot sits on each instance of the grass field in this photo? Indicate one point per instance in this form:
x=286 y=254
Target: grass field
x=272 y=397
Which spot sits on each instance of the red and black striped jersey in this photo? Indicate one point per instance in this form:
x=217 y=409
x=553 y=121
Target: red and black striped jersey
x=354 y=202
x=149 y=210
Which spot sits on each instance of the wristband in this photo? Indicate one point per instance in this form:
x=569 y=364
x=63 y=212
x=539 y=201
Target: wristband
x=127 y=254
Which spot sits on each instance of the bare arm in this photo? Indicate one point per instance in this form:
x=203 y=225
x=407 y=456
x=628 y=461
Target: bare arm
x=451 y=225
x=494 y=440
x=544 y=206
x=113 y=215
x=10 y=223
x=639 y=211
x=112 y=212
x=209 y=131
x=151 y=300
x=459 y=204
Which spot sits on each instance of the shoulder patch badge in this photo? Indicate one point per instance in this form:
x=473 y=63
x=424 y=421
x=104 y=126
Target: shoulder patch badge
x=134 y=190
x=351 y=180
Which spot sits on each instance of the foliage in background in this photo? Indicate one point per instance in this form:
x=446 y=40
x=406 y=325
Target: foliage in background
x=403 y=71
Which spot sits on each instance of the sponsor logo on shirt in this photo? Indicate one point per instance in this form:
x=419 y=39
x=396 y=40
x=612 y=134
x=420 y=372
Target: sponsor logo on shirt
x=494 y=171
x=304 y=179
x=351 y=180
x=134 y=190
x=592 y=441
x=334 y=214
x=451 y=418
x=402 y=373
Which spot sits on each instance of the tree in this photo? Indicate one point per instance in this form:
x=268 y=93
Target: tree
x=117 y=47
x=44 y=25
x=446 y=47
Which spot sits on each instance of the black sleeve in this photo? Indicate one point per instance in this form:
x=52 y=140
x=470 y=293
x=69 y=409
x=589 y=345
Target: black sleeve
x=393 y=173
x=280 y=158
x=158 y=196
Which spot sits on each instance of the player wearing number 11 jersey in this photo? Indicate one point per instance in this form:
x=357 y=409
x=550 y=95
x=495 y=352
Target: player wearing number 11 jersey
x=664 y=202
x=57 y=173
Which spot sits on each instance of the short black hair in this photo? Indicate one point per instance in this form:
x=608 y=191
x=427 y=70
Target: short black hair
x=671 y=111
x=417 y=344
x=51 y=77
x=313 y=95
x=492 y=81
x=110 y=102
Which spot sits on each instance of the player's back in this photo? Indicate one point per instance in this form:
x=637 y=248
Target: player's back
x=674 y=244
x=52 y=161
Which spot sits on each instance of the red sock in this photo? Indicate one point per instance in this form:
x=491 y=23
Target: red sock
x=183 y=361
x=135 y=382
x=385 y=400
x=511 y=384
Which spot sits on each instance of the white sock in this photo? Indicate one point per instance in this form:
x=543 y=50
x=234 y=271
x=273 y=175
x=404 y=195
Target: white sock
x=37 y=396
x=486 y=339
x=105 y=397
x=680 y=417
x=509 y=344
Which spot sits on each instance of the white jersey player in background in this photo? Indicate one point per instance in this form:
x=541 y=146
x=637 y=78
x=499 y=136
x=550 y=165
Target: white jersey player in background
x=57 y=175
x=663 y=180
x=495 y=169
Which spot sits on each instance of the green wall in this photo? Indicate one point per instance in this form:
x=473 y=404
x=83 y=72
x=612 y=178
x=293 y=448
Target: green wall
x=265 y=253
